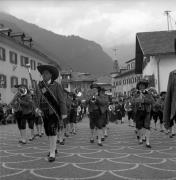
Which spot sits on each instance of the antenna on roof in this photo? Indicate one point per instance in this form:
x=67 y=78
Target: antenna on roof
x=115 y=52
x=168 y=18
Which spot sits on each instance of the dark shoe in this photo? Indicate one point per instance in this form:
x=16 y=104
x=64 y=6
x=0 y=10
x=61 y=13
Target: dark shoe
x=66 y=135
x=102 y=139
x=58 y=141
x=100 y=144
x=171 y=136
x=161 y=130
x=20 y=141
x=148 y=146
x=137 y=137
x=91 y=141
x=140 y=143
x=143 y=140
x=62 y=143
x=40 y=135
x=51 y=159
x=31 y=139
x=23 y=142
x=106 y=136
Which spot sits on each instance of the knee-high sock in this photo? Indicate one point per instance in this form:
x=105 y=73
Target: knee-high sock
x=172 y=130
x=61 y=135
x=52 y=144
x=92 y=133
x=100 y=133
x=140 y=133
x=32 y=133
x=143 y=133
x=147 y=134
x=23 y=134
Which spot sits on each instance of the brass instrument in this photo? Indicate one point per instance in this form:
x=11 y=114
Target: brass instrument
x=15 y=101
x=22 y=91
x=78 y=92
x=93 y=99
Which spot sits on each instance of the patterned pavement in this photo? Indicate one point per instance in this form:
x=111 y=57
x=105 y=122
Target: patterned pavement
x=119 y=158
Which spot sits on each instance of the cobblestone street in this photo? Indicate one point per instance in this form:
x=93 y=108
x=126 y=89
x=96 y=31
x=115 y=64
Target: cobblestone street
x=120 y=157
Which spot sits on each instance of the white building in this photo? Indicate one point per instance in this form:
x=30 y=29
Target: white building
x=155 y=56
x=124 y=80
x=14 y=55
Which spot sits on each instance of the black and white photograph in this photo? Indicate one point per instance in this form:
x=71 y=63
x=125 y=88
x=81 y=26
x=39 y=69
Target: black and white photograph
x=87 y=89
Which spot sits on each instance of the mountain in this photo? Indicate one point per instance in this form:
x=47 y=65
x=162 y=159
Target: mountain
x=70 y=51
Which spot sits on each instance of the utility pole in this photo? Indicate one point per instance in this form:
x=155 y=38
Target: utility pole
x=116 y=64
x=168 y=18
x=115 y=52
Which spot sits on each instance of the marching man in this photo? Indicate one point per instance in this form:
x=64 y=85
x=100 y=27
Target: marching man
x=53 y=105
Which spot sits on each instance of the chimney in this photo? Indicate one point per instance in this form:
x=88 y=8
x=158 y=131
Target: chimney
x=5 y=30
x=27 y=39
x=18 y=34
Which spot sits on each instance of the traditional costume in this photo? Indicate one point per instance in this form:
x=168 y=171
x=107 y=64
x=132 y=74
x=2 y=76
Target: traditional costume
x=52 y=103
x=143 y=103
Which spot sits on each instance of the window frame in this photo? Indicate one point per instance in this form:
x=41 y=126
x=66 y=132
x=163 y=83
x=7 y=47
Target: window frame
x=23 y=80
x=3 y=78
x=33 y=64
x=2 y=54
x=23 y=60
x=10 y=57
x=12 y=78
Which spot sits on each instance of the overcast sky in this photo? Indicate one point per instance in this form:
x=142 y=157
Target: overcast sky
x=107 y=22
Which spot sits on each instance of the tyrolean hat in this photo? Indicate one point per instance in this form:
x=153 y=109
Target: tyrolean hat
x=52 y=69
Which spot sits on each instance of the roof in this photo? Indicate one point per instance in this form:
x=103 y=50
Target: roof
x=78 y=76
x=104 y=79
x=158 y=42
x=125 y=73
x=17 y=44
x=131 y=60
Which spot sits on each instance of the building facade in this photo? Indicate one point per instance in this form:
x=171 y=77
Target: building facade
x=124 y=80
x=14 y=56
x=155 y=56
